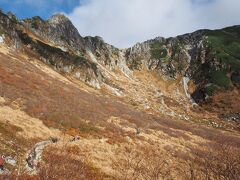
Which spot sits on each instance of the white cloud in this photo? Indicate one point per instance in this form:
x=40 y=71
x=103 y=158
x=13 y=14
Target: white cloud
x=125 y=22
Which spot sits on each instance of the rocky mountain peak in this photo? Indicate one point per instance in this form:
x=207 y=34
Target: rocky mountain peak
x=58 y=18
x=58 y=30
x=11 y=15
x=62 y=27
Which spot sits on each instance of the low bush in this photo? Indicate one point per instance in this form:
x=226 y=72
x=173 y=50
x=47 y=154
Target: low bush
x=209 y=90
x=219 y=78
x=158 y=51
x=220 y=161
x=236 y=79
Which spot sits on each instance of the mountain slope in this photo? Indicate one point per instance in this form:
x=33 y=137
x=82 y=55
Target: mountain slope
x=208 y=58
x=33 y=93
x=166 y=97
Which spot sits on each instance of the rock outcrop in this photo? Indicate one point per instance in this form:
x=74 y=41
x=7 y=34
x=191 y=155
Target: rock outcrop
x=209 y=58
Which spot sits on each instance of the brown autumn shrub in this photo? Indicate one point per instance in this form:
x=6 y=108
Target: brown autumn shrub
x=214 y=161
x=220 y=161
x=64 y=164
x=147 y=163
x=60 y=164
x=16 y=176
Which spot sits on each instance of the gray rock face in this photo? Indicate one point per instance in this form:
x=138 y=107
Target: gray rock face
x=8 y=29
x=140 y=54
x=190 y=55
x=58 y=30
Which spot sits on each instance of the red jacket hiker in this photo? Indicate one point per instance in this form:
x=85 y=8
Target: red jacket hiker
x=2 y=161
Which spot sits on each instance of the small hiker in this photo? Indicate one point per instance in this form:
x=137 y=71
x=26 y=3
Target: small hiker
x=2 y=162
x=54 y=139
x=138 y=130
x=75 y=138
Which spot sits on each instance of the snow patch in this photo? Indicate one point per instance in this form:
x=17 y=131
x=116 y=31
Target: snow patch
x=2 y=37
x=185 y=86
x=123 y=65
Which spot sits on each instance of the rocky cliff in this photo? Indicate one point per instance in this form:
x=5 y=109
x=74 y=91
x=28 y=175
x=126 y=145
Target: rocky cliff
x=207 y=61
x=209 y=58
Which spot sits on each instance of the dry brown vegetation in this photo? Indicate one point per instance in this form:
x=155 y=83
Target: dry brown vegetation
x=145 y=163
x=61 y=164
x=63 y=105
x=11 y=144
x=224 y=103
x=210 y=153
x=216 y=161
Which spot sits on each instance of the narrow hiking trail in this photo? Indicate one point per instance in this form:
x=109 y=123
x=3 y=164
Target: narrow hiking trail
x=35 y=154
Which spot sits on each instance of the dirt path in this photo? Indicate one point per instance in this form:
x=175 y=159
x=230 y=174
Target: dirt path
x=35 y=155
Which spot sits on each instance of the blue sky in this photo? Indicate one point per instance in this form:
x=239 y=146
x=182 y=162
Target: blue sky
x=43 y=8
x=125 y=22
